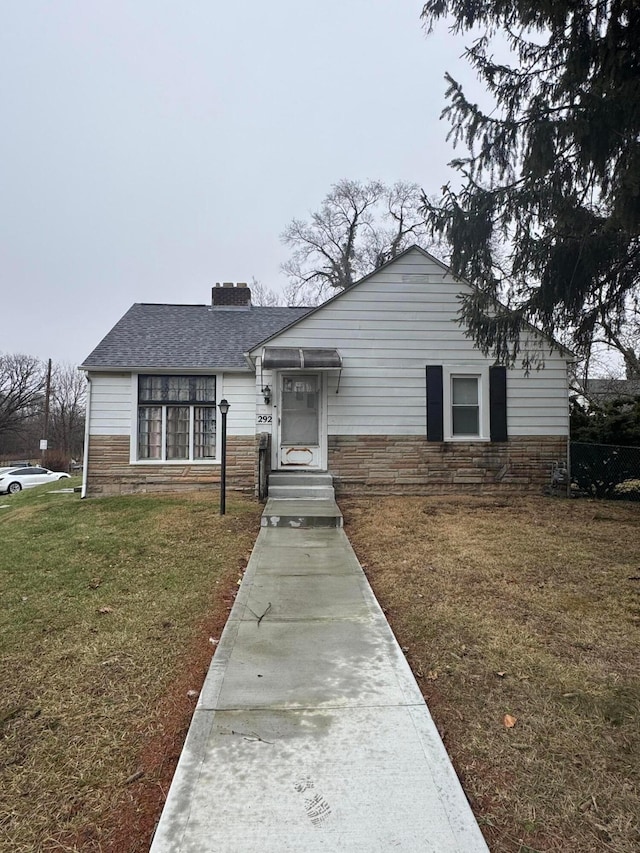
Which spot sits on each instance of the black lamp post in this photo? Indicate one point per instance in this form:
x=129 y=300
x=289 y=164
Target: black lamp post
x=224 y=408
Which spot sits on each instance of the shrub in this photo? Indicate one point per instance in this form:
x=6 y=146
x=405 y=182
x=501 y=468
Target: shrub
x=57 y=462
x=629 y=490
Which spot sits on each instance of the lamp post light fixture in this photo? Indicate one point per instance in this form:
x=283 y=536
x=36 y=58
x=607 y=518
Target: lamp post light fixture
x=223 y=405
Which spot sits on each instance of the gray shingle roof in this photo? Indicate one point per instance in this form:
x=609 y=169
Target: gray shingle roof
x=188 y=336
x=603 y=390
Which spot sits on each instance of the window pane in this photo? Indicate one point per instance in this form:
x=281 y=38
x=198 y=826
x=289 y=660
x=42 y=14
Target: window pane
x=204 y=439
x=178 y=389
x=177 y=432
x=149 y=432
x=465 y=420
x=464 y=391
x=205 y=389
x=150 y=388
x=300 y=410
x=300 y=428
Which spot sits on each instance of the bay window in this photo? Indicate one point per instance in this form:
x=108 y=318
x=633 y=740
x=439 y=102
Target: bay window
x=176 y=417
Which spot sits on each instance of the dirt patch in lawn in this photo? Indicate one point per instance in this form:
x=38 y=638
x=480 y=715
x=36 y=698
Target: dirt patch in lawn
x=521 y=621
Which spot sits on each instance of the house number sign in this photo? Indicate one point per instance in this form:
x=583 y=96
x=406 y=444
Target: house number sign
x=265 y=419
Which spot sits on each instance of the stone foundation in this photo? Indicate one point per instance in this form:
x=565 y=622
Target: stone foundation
x=411 y=465
x=360 y=465
x=111 y=473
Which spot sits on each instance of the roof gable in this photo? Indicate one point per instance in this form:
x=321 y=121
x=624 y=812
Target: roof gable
x=431 y=265
x=356 y=284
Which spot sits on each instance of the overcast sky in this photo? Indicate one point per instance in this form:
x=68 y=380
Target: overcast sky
x=151 y=148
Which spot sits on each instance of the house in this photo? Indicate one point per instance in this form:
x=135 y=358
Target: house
x=602 y=391
x=379 y=386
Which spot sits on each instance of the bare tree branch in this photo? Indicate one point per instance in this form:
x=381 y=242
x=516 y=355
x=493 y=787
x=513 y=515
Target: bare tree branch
x=66 y=424
x=22 y=380
x=359 y=227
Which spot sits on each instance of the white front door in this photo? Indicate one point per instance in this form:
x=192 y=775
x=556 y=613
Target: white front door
x=300 y=422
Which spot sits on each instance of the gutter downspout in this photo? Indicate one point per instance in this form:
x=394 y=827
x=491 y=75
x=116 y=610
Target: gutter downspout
x=85 y=465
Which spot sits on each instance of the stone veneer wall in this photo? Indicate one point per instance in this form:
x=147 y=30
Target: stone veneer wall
x=111 y=473
x=411 y=465
x=373 y=465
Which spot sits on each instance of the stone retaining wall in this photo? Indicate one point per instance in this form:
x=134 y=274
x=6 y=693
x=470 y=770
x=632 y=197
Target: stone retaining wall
x=111 y=473
x=411 y=465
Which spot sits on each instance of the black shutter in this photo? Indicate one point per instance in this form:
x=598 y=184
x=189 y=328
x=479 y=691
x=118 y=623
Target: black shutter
x=435 y=423
x=498 y=403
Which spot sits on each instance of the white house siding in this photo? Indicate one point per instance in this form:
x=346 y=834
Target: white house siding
x=239 y=390
x=387 y=329
x=111 y=402
x=538 y=404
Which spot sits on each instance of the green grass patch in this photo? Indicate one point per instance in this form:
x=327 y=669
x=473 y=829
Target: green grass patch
x=100 y=600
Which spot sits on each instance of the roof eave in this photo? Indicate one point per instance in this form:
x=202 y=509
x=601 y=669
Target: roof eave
x=151 y=368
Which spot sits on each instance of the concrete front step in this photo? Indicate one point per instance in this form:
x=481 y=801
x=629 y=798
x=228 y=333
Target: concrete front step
x=301 y=513
x=304 y=492
x=300 y=478
x=298 y=485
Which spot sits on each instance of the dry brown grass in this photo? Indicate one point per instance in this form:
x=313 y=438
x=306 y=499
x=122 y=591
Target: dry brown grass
x=105 y=606
x=528 y=607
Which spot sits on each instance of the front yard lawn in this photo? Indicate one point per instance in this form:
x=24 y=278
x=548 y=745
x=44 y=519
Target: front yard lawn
x=107 y=607
x=520 y=618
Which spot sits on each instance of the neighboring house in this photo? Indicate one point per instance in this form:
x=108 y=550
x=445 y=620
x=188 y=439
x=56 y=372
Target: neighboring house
x=601 y=391
x=379 y=386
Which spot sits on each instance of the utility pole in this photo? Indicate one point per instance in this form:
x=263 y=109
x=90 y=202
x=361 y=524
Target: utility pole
x=47 y=397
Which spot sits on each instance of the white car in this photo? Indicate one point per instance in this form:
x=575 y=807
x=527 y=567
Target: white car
x=14 y=480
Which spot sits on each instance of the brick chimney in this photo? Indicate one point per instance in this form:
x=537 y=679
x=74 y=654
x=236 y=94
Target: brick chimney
x=229 y=295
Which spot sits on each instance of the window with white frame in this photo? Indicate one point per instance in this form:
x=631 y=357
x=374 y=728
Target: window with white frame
x=465 y=406
x=176 y=417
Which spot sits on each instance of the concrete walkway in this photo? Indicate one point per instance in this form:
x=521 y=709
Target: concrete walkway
x=311 y=733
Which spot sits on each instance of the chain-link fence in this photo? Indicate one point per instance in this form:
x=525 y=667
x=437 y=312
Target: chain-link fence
x=606 y=471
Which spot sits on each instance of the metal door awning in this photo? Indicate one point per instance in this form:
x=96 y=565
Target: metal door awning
x=301 y=358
